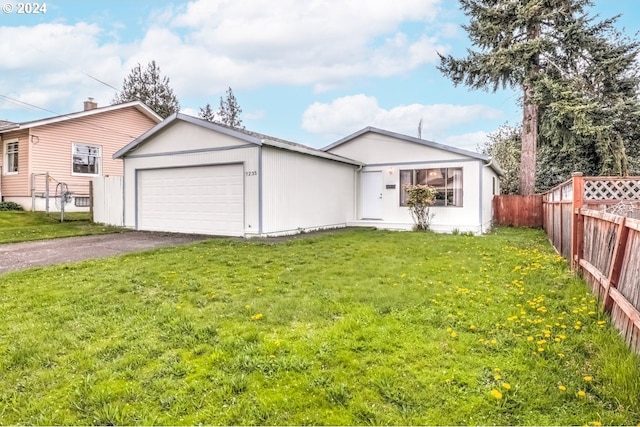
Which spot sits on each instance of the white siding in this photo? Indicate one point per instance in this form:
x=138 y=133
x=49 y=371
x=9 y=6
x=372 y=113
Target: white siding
x=446 y=219
x=305 y=192
x=248 y=157
x=488 y=191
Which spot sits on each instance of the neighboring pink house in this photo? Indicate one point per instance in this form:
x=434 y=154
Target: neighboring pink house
x=72 y=149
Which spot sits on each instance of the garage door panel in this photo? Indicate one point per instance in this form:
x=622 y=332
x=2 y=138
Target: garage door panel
x=205 y=199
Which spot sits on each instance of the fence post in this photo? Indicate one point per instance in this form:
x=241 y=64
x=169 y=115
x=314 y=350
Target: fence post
x=577 y=223
x=616 y=264
x=91 y=200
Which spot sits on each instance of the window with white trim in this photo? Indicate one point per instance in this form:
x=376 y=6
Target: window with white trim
x=446 y=181
x=11 y=157
x=87 y=159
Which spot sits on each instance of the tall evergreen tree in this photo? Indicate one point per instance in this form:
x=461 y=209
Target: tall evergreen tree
x=147 y=85
x=590 y=104
x=229 y=111
x=524 y=44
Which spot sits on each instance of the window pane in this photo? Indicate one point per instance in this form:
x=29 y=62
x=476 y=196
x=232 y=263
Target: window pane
x=86 y=159
x=454 y=186
x=406 y=178
x=436 y=179
x=12 y=157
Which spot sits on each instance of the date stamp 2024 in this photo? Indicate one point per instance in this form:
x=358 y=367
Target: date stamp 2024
x=24 y=8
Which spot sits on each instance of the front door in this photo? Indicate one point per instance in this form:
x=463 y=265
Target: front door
x=371 y=193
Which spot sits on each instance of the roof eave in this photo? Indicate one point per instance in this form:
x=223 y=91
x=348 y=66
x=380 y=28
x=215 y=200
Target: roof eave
x=312 y=152
x=144 y=109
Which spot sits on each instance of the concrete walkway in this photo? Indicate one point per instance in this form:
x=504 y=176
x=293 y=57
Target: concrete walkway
x=20 y=256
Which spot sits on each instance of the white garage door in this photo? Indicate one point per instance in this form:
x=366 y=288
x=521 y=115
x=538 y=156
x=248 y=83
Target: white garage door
x=203 y=199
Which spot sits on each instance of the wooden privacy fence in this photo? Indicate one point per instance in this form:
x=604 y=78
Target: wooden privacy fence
x=518 y=211
x=603 y=246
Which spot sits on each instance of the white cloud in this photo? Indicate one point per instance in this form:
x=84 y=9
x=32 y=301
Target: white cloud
x=348 y=114
x=318 y=42
x=50 y=63
x=209 y=45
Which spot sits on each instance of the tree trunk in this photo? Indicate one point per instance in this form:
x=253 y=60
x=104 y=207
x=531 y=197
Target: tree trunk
x=529 y=144
x=529 y=121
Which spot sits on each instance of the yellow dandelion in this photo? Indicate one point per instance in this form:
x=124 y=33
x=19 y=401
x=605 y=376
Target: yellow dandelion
x=272 y=356
x=179 y=307
x=595 y=423
x=581 y=393
x=472 y=327
x=540 y=349
x=529 y=338
x=453 y=334
x=496 y=369
x=562 y=388
x=449 y=329
x=540 y=342
x=506 y=386
x=577 y=327
x=496 y=394
x=494 y=342
x=247 y=306
x=257 y=316
x=588 y=378
x=497 y=377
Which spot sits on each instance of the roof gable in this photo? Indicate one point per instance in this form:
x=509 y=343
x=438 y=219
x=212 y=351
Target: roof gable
x=341 y=146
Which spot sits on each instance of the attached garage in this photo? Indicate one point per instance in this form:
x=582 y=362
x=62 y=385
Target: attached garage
x=201 y=199
x=188 y=175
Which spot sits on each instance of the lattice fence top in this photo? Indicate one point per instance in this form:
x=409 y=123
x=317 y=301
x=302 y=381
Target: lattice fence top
x=613 y=189
x=626 y=208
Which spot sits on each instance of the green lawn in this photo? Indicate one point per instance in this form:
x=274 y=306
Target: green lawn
x=356 y=327
x=21 y=226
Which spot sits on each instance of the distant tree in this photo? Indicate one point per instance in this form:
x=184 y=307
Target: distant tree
x=229 y=111
x=207 y=113
x=147 y=85
x=504 y=147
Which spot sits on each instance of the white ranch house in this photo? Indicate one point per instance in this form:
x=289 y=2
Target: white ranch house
x=191 y=176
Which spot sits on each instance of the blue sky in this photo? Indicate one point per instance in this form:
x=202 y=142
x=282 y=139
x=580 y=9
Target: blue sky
x=309 y=71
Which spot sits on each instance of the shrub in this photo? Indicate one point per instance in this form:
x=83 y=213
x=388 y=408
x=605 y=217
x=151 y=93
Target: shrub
x=10 y=206
x=421 y=198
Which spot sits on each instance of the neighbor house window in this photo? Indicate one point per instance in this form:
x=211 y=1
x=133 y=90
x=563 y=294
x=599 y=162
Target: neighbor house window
x=86 y=159
x=11 y=157
x=446 y=181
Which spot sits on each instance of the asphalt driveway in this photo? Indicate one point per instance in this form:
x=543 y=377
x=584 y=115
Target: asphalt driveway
x=20 y=256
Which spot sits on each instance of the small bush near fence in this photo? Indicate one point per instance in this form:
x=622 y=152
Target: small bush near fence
x=10 y=206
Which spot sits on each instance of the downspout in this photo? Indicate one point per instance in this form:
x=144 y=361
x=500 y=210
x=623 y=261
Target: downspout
x=356 y=193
